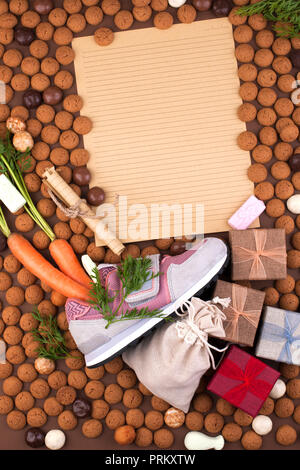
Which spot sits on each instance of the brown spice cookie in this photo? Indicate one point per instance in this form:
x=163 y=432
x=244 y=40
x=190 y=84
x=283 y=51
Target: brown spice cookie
x=266 y=96
x=281 y=46
x=247 y=72
x=57 y=17
x=76 y=23
x=275 y=208
x=266 y=116
x=82 y=125
x=247 y=140
x=62 y=36
x=104 y=36
x=284 y=107
x=286 y=435
x=110 y=7
x=243 y=33
x=142 y=14
x=44 y=31
x=264 y=38
x=282 y=65
x=186 y=13
x=93 y=15
x=45 y=113
x=20 y=82
x=257 y=173
x=264 y=190
x=263 y=57
x=123 y=19
x=157 y=5
x=262 y=154
x=67 y=420
x=40 y=82
x=49 y=66
x=12 y=58
x=64 y=55
x=266 y=78
x=286 y=222
x=283 y=151
x=280 y=170
x=163 y=20
x=92 y=428
x=63 y=79
x=39 y=49
x=248 y=91
x=244 y=53
x=289 y=302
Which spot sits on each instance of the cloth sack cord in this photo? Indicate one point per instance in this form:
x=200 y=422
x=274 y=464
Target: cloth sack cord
x=192 y=321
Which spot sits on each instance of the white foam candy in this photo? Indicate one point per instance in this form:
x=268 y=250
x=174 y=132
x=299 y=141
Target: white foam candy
x=278 y=389
x=176 y=3
x=55 y=439
x=262 y=425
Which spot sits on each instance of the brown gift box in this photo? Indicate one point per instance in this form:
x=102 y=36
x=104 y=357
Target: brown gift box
x=243 y=312
x=258 y=254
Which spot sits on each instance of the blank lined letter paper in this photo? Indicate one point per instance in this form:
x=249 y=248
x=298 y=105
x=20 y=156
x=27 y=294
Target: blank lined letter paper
x=165 y=125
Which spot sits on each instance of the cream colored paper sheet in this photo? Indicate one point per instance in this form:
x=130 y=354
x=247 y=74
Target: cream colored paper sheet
x=164 y=109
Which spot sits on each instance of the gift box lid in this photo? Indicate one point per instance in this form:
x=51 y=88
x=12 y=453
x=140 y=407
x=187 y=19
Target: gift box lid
x=258 y=254
x=243 y=312
x=279 y=337
x=243 y=380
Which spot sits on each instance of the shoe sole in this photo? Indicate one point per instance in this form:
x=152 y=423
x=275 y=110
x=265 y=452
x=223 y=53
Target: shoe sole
x=136 y=332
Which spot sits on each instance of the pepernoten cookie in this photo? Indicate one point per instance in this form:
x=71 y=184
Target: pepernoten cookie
x=104 y=36
x=163 y=20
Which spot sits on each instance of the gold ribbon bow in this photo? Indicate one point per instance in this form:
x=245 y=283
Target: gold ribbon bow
x=257 y=270
x=236 y=311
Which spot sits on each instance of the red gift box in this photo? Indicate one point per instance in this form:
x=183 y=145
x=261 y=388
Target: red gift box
x=243 y=381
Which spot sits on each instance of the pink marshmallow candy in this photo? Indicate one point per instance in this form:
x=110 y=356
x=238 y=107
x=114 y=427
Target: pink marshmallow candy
x=247 y=213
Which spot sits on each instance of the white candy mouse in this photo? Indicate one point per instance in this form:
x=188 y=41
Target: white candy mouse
x=55 y=439
x=195 y=440
x=278 y=389
x=262 y=425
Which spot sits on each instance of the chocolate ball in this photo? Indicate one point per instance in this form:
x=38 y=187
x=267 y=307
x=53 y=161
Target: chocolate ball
x=52 y=95
x=81 y=408
x=24 y=36
x=294 y=162
x=295 y=58
x=96 y=196
x=202 y=5
x=177 y=247
x=81 y=176
x=32 y=99
x=35 y=437
x=42 y=7
x=3 y=243
x=221 y=8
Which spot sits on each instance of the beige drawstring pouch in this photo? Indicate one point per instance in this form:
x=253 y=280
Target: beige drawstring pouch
x=171 y=362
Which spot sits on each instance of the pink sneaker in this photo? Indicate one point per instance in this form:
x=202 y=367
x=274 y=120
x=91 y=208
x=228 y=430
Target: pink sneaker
x=181 y=278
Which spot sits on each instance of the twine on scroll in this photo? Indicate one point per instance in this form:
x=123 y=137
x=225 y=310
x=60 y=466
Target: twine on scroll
x=237 y=310
x=257 y=270
x=74 y=211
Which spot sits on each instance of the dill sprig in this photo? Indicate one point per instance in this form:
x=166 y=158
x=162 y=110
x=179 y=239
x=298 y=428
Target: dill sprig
x=52 y=344
x=283 y=11
x=133 y=273
x=13 y=163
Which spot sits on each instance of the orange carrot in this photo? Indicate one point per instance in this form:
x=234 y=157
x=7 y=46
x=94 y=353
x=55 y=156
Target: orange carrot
x=65 y=258
x=42 y=269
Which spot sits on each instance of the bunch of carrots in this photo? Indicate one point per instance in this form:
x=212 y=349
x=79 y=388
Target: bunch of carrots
x=70 y=279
